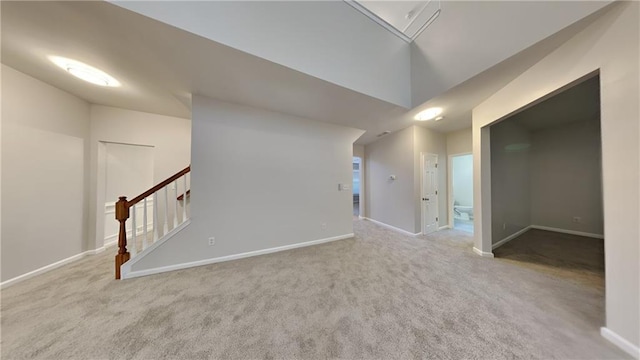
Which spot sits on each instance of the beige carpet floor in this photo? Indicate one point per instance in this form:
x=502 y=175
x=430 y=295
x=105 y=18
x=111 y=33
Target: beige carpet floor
x=380 y=295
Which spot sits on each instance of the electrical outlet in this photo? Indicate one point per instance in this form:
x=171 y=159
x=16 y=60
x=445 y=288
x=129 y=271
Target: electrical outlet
x=212 y=241
x=504 y=226
x=323 y=226
x=577 y=219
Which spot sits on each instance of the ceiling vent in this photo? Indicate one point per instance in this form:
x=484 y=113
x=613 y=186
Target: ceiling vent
x=405 y=19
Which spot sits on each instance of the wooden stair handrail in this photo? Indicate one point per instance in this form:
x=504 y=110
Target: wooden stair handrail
x=181 y=197
x=154 y=189
x=122 y=214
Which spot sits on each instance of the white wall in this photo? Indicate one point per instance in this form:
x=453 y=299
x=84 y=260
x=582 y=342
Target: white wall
x=391 y=201
x=260 y=180
x=460 y=142
x=566 y=177
x=326 y=39
x=429 y=141
x=358 y=151
x=462 y=179
x=51 y=157
x=169 y=136
x=510 y=180
x=44 y=162
x=465 y=41
x=397 y=202
x=611 y=45
x=128 y=171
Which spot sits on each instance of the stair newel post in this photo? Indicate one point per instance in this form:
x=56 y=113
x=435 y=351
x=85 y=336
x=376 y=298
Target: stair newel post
x=122 y=214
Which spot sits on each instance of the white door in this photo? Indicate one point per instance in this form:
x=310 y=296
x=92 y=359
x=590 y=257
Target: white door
x=429 y=197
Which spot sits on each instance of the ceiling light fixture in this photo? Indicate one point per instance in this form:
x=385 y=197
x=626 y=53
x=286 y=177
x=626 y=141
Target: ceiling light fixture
x=439 y=118
x=428 y=114
x=85 y=72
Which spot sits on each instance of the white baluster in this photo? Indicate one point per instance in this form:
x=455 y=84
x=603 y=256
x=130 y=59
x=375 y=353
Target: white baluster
x=144 y=223
x=155 y=217
x=166 y=211
x=133 y=248
x=175 y=201
x=184 y=200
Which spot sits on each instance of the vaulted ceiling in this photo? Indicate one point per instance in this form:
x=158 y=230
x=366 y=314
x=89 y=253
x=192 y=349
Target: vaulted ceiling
x=161 y=63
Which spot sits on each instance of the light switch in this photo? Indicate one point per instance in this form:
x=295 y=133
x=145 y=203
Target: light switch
x=343 y=187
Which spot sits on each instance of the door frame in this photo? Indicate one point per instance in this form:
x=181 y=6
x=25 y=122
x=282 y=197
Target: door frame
x=437 y=210
x=450 y=186
x=101 y=190
x=361 y=180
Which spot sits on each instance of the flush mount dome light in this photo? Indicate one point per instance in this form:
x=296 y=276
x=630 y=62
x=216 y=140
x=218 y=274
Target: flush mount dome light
x=85 y=72
x=428 y=114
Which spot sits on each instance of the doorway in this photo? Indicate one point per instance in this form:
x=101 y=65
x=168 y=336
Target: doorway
x=546 y=186
x=128 y=170
x=461 y=198
x=357 y=166
x=429 y=192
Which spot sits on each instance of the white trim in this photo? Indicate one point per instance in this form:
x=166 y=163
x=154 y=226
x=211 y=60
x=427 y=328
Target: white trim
x=510 y=237
x=570 y=232
x=482 y=253
x=96 y=251
x=378 y=20
x=133 y=274
x=620 y=342
x=49 y=267
x=545 y=228
x=392 y=227
x=107 y=238
x=392 y=29
x=444 y=227
x=110 y=243
x=125 y=268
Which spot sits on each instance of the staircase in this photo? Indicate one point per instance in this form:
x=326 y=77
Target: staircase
x=156 y=231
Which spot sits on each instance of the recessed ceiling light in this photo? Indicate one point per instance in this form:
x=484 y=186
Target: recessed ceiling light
x=428 y=114
x=85 y=72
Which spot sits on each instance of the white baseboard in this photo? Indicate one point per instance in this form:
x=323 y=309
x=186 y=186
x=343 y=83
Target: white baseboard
x=110 y=243
x=570 y=232
x=133 y=274
x=392 y=227
x=49 y=267
x=444 y=227
x=546 y=228
x=510 y=237
x=620 y=342
x=103 y=247
x=482 y=253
